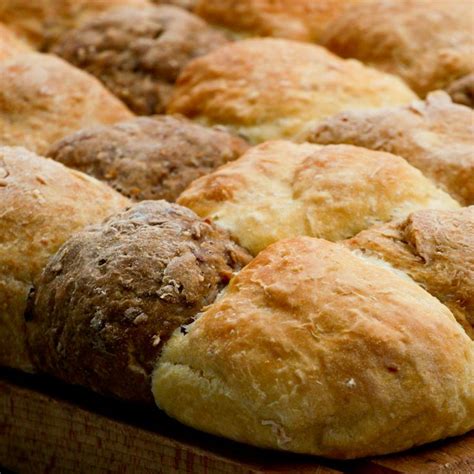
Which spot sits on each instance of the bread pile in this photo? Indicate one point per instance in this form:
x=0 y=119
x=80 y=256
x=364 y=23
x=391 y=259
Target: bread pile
x=285 y=256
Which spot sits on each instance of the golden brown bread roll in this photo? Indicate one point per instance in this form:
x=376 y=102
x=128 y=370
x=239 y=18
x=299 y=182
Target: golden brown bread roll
x=43 y=98
x=435 y=136
x=312 y=349
x=41 y=204
x=427 y=43
x=41 y=22
x=302 y=20
x=281 y=189
x=139 y=64
x=148 y=158
x=10 y=44
x=436 y=249
x=113 y=294
x=269 y=88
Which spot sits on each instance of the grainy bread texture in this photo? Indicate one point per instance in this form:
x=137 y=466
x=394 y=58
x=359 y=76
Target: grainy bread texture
x=273 y=88
x=281 y=189
x=148 y=158
x=436 y=136
x=436 y=249
x=311 y=349
x=43 y=98
x=138 y=52
x=10 y=44
x=41 y=204
x=462 y=90
x=302 y=20
x=427 y=43
x=41 y=22
x=114 y=293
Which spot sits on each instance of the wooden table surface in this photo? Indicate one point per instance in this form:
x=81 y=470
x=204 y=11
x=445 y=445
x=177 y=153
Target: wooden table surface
x=46 y=426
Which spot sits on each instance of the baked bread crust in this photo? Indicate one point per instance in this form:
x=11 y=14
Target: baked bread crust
x=428 y=44
x=436 y=249
x=148 y=158
x=41 y=22
x=10 y=44
x=328 y=355
x=435 y=136
x=273 y=88
x=281 y=189
x=137 y=53
x=43 y=98
x=41 y=204
x=113 y=294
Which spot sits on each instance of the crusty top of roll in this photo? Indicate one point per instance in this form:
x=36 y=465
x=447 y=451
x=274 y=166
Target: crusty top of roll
x=272 y=88
x=148 y=157
x=302 y=20
x=10 y=44
x=41 y=22
x=436 y=249
x=435 y=135
x=428 y=43
x=43 y=98
x=281 y=189
x=114 y=293
x=138 y=52
x=311 y=349
x=41 y=204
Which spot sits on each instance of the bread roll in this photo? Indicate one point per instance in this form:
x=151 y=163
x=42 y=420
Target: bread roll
x=269 y=88
x=436 y=249
x=462 y=90
x=114 y=293
x=41 y=22
x=148 y=158
x=427 y=43
x=281 y=189
x=42 y=99
x=41 y=204
x=302 y=20
x=314 y=350
x=10 y=44
x=138 y=52
x=435 y=136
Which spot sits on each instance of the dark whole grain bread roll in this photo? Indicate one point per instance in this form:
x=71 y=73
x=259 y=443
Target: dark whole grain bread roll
x=138 y=53
x=148 y=158
x=114 y=293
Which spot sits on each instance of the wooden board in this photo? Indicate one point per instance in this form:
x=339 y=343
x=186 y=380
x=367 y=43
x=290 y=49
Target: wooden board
x=46 y=426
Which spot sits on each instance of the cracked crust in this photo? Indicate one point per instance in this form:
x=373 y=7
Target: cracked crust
x=41 y=204
x=148 y=158
x=328 y=355
x=436 y=249
x=281 y=189
x=43 y=98
x=435 y=136
x=113 y=294
x=137 y=53
x=268 y=88
x=428 y=44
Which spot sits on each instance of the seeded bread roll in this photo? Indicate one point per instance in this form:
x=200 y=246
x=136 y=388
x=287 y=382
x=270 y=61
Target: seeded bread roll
x=10 y=44
x=148 y=158
x=270 y=88
x=114 y=293
x=138 y=52
x=302 y=20
x=462 y=90
x=428 y=44
x=41 y=22
x=434 y=248
x=435 y=136
x=314 y=350
x=281 y=189
x=43 y=98
x=41 y=204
